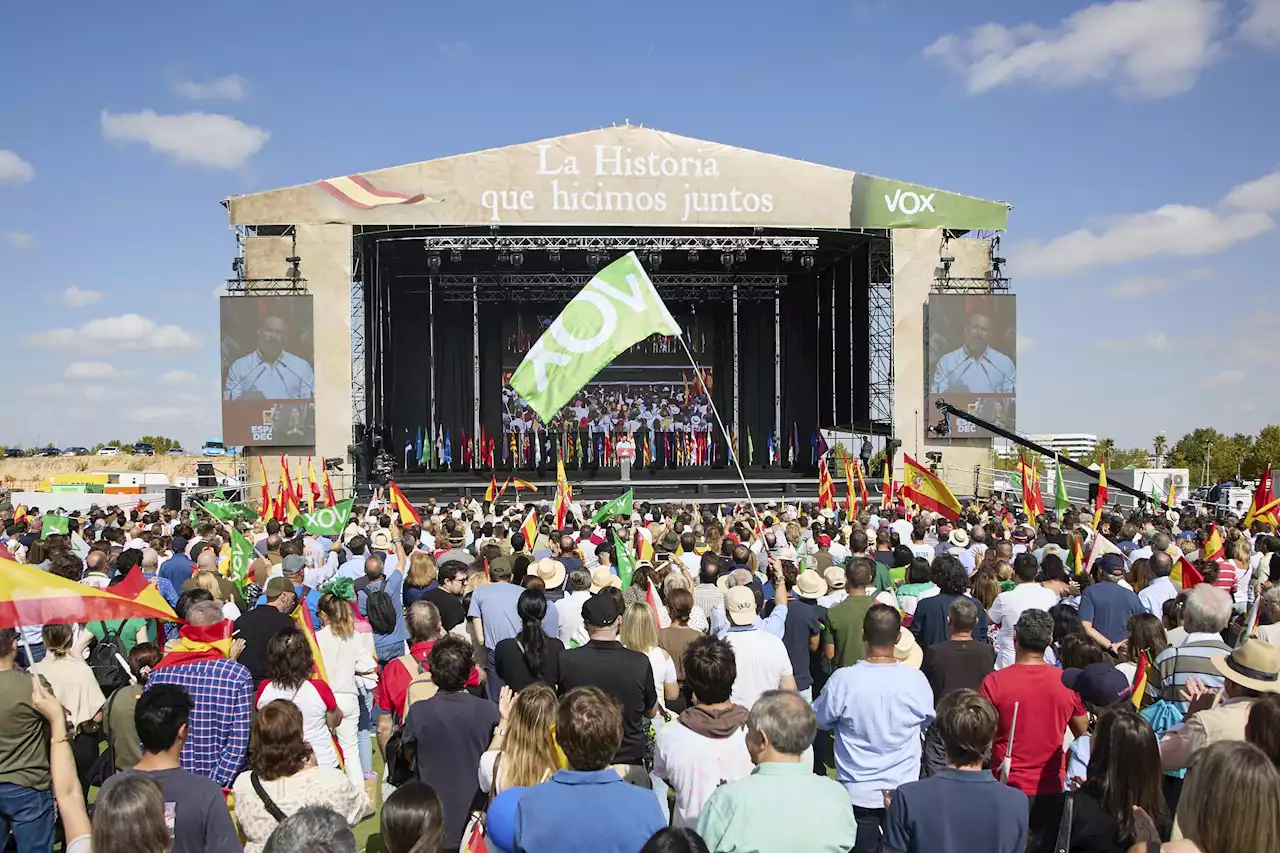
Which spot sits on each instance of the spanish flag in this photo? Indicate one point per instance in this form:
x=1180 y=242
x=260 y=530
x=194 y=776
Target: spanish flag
x=1213 y=548
x=328 y=489
x=564 y=495
x=19 y=513
x=290 y=501
x=1265 y=506
x=1140 y=680
x=1077 y=555
x=314 y=484
x=265 y=509
x=530 y=528
x=491 y=493
x=29 y=596
x=862 y=484
x=523 y=485
x=927 y=491
x=826 y=488
x=1103 y=492
x=1185 y=574
x=886 y=488
x=135 y=587
x=302 y=618
x=402 y=506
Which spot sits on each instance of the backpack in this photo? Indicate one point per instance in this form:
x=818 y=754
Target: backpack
x=381 y=610
x=421 y=686
x=399 y=767
x=110 y=674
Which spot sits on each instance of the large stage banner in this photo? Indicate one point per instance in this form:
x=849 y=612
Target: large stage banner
x=268 y=379
x=971 y=352
x=618 y=308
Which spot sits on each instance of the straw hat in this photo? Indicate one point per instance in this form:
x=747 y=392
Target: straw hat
x=907 y=650
x=602 y=578
x=809 y=584
x=551 y=571
x=1255 y=665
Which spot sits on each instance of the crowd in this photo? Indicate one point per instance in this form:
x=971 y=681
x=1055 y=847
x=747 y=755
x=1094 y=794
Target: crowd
x=787 y=681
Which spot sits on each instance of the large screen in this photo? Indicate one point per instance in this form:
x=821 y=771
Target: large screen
x=650 y=386
x=268 y=376
x=972 y=359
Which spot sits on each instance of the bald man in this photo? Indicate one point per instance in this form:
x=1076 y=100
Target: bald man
x=227 y=591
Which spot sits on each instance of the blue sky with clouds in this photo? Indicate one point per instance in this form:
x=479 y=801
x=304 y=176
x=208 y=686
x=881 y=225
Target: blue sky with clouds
x=1136 y=141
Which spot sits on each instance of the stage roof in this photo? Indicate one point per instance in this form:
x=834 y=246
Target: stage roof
x=618 y=176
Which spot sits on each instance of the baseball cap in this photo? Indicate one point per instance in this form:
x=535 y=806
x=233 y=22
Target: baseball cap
x=1112 y=564
x=823 y=540
x=293 y=565
x=277 y=587
x=500 y=567
x=740 y=605
x=179 y=544
x=599 y=610
x=834 y=576
x=1099 y=684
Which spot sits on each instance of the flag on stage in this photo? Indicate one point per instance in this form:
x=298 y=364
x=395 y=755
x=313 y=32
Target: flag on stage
x=626 y=562
x=402 y=506
x=523 y=485
x=447 y=456
x=862 y=485
x=327 y=521
x=1060 y=502
x=290 y=504
x=314 y=485
x=923 y=488
x=850 y=503
x=564 y=495
x=51 y=525
x=1185 y=574
x=286 y=482
x=265 y=509
x=826 y=489
x=1264 y=507
x=417 y=446
x=439 y=445
x=1213 y=548
x=769 y=445
x=241 y=558
x=623 y=504
x=1103 y=493
x=751 y=448
x=617 y=309
x=530 y=528
x=300 y=493
x=29 y=596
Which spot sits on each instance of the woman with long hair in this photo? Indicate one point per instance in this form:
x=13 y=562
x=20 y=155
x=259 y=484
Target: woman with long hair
x=349 y=664
x=640 y=634
x=117 y=717
x=986 y=586
x=129 y=817
x=283 y=766
x=523 y=750
x=420 y=577
x=531 y=656
x=75 y=686
x=1263 y=728
x=290 y=666
x=412 y=820
x=1144 y=633
x=208 y=581
x=1124 y=773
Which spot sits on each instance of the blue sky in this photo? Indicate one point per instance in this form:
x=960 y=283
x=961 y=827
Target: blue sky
x=1136 y=141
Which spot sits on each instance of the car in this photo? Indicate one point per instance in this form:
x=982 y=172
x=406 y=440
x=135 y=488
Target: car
x=213 y=447
x=14 y=453
x=176 y=451
x=49 y=451
x=109 y=451
x=76 y=451
x=143 y=448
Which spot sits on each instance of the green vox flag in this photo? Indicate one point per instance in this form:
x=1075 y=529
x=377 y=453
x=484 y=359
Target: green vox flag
x=621 y=505
x=241 y=558
x=884 y=203
x=329 y=521
x=227 y=512
x=626 y=562
x=52 y=524
x=1060 y=502
x=617 y=309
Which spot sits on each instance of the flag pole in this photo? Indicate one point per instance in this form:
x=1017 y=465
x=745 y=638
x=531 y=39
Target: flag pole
x=698 y=373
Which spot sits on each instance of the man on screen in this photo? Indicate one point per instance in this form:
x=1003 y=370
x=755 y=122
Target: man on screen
x=975 y=367
x=270 y=373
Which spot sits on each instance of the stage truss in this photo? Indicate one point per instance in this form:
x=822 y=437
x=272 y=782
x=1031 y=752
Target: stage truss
x=561 y=287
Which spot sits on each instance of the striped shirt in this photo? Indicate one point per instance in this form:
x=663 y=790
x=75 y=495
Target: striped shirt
x=1192 y=659
x=218 y=730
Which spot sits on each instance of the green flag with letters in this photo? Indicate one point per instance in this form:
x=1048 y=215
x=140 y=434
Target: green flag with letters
x=227 y=512
x=626 y=562
x=52 y=524
x=1060 y=502
x=617 y=309
x=621 y=505
x=326 y=521
x=241 y=558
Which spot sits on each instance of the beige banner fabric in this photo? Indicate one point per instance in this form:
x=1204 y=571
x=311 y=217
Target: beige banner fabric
x=616 y=176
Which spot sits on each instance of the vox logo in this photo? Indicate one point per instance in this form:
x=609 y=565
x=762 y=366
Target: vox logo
x=909 y=203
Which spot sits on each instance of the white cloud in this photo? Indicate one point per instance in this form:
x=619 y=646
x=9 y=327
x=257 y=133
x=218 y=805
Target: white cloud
x=1140 y=285
x=13 y=169
x=95 y=392
x=1026 y=345
x=232 y=87
x=1173 y=229
x=1148 y=48
x=1202 y=274
x=90 y=370
x=1230 y=376
x=20 y=239
x=455 y=51
x=177 y=377
x=1150 y=342
x=126 y=332
x=1262 y=25
x=205 y=139
x=74 y=297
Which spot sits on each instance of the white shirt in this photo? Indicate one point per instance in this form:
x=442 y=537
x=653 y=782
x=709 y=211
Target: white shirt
x=664 y=671
x=345 y=656
x=1006 y=609
x=921 y=550
x=571 y=628
x=762 y=664
x=1155 y=594
x=839 y=552
x=287 y=378
x=903 y=528
x=992 y=373
x=315 y=731
x=696 y=765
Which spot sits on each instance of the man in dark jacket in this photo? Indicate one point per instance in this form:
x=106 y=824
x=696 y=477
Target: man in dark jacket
x=930 y=621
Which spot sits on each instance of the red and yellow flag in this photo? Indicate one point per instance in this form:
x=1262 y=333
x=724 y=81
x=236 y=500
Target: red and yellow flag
x=1140 y=680
x=862 y=485
x=29 y=596
x=1213 y=548
x=1032 y=499
x=1103 y=492
x=1077 y=555
x=886 y=487
x=921 y=486
x=402 y=506
x=265 y=509
x=1265 y=506
x=302 y=618
x=523 y=485
x=20 y=513
x=290 y=503
x=315 y=486
x=530 y=528
x=491 y=493
x=1185 y=574
x=286 y=482
x=564 y=495
x=826 y=488
x=328 y=489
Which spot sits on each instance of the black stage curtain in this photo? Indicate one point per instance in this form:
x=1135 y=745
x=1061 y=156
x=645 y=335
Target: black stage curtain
x=755 y=380
x=860 y=402
x=800 y=368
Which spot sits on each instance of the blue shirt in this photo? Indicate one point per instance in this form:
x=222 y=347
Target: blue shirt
x=775 y=623
x=222 y=705
x=1107 y=606
x=495 y=605
x=392 y=583
x=313 y=602
x=956 y=811
x=877 y=712
x=176 y=569
x=593 y=810
x=167 y=590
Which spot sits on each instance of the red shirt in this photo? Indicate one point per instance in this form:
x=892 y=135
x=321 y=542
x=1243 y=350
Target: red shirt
x=393 y=684
x=1226 y=576
x=1045 y=707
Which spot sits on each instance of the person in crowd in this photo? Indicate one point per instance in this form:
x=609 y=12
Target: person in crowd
x=311 y=829
x=531 y=656
x=208 y=581
x=677 y=637
x=930 y=621
x=290 y=667
x=707 y=594
x=412 y=820
x=73 y=683
x=878 y=709
x=1123 y=775
x=420 y=578
x=675 y=840
x=802 y=632
x=625 y=676
x=743 y=814
x=132 y=817
x=960 y=807
x=919 y=584
x=201 y=821
x=1045 y=709
x=639 y=633
x=178 y=568
x=569 y=609
x=523 y=749
x=1144 y=633
x=495 y=616
x=130 y=631
x=349 y=666
x=962 y=661
x=843 y=642
x=449 y=731
x=1205 y=614
x=118 y=724
x=762 y=657
x=1247 y=672
x=1263 y=728
x=203 y=663
x=587 y=806
x=26 y=801
x=1105 y=606
x=388 y=639
x=446 y=595
x=706 y=746
x=263 y=622
x=284 y=777
x=1009 y=606
x=1161 y=587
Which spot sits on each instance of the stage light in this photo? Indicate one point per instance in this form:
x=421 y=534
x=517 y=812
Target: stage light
x=553 y=255
x=455 y=257
x=742 y=257
x=503 y=257
x=786 y=257
x=726 y=259
x=806 y=261
x=517 y=258
x=655 y=260
x=433 y=261
x=693 y=256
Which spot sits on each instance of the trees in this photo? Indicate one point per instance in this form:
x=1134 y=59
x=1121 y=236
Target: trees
x=162 y=444
x=1159 y=444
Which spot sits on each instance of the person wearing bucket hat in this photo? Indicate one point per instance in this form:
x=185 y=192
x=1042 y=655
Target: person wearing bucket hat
x=801 y=633
x=1248 y=673
x=552 y=573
